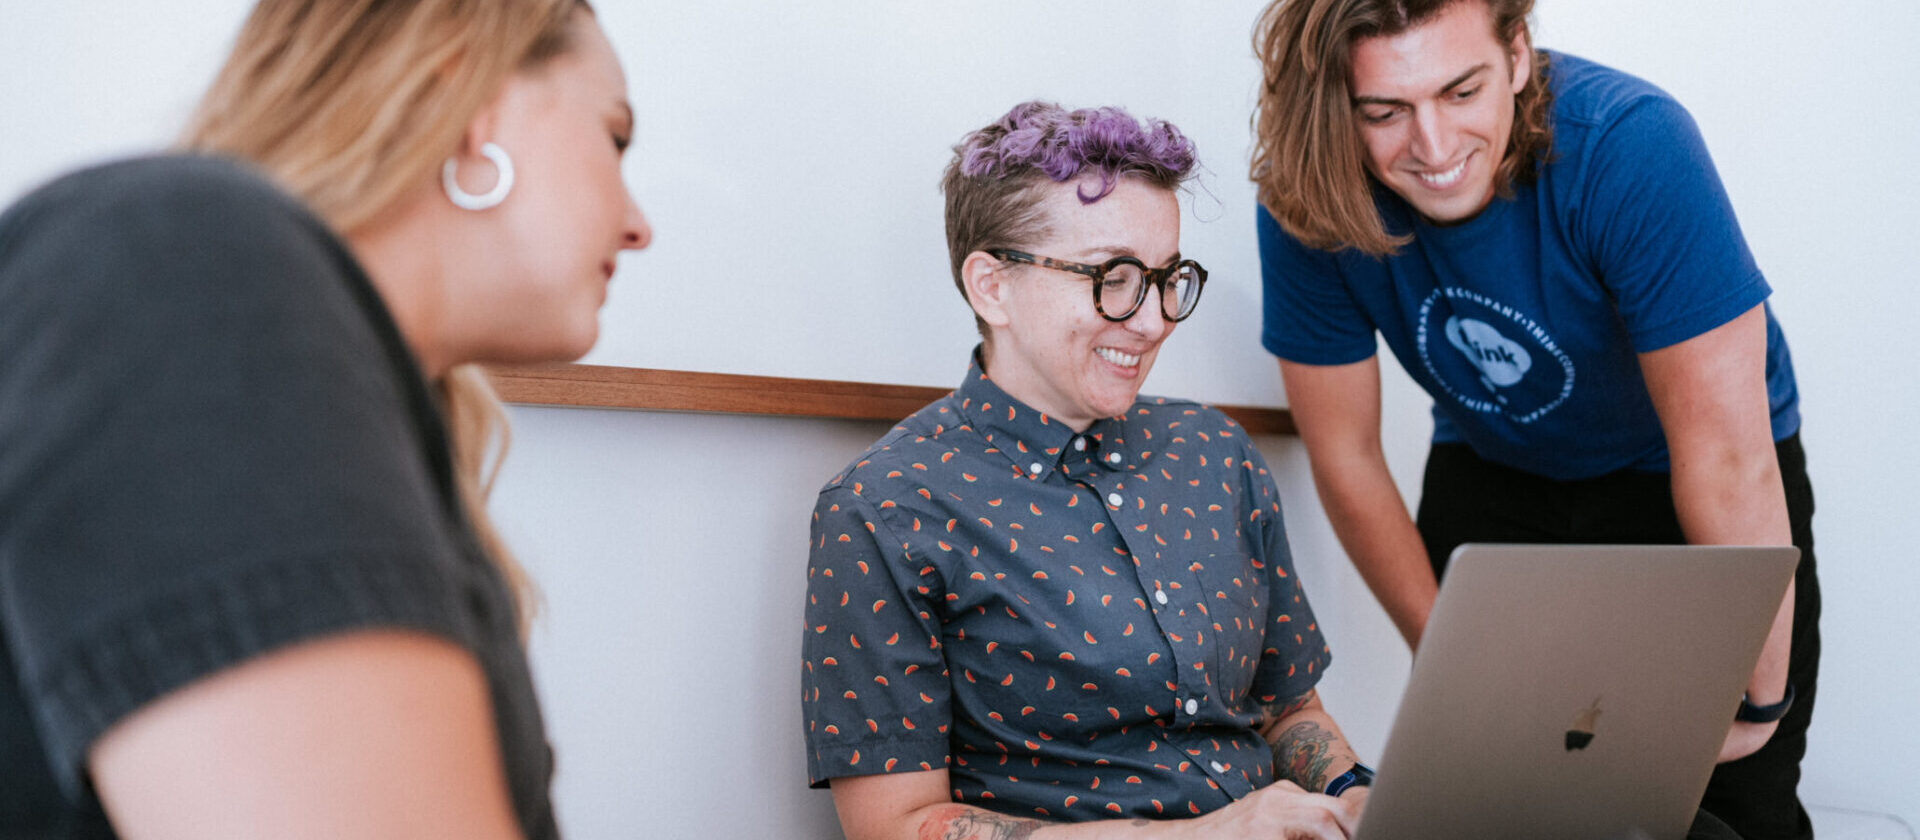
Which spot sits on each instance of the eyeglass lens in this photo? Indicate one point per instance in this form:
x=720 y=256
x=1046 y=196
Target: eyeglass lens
x=1121 y=292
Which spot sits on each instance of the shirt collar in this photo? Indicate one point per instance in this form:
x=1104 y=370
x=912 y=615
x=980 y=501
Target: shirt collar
x=1028 y=437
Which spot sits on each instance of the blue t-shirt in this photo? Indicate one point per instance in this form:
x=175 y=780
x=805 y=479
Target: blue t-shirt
x=1524 y=322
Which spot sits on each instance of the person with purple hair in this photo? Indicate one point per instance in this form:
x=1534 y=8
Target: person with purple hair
x=1045 y=605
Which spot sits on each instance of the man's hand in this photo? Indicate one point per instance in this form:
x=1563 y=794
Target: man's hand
x=1745 y=739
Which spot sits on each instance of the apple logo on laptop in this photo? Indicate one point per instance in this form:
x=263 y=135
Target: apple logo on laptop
x=1583 y=727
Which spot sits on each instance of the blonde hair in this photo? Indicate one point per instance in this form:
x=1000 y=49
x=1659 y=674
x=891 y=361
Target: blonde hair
x=1308 y=166
x=349 y=105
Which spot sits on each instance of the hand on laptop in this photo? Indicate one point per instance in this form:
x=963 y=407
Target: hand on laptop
x=1283 y=811
x=1745 y=739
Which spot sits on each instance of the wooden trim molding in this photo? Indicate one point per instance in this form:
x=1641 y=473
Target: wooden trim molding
x=605 y=386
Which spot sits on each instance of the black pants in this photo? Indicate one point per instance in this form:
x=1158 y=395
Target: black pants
x=1466 y=499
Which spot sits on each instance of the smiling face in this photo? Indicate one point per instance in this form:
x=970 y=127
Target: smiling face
x=556 y=239
x=1047 y=345
x=1434 y=106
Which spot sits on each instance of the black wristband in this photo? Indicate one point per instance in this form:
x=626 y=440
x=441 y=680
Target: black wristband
x=1359 y=776
x=1750 y=713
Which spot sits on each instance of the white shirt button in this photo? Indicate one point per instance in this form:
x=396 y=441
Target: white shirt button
x=1079 y=444
x=1035 y=468
x=1114 y=499
x=1192 y=706
x=1113 y=458
x=1160 y=595
x=1219 y=768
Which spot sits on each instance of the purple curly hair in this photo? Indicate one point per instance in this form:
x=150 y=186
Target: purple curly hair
x=1060 y=144
x=998 y=175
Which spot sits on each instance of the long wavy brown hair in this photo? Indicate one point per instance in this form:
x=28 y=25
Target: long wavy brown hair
x=1308 y=163
x=349 y=105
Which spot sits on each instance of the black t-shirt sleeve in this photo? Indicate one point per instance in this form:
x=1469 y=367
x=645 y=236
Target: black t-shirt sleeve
x=206 y=446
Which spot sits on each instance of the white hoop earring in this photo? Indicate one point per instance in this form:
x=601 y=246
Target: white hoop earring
x=468 y=201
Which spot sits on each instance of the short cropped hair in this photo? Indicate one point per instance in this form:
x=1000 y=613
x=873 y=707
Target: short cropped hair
x=998 y=174
x=1307 y=158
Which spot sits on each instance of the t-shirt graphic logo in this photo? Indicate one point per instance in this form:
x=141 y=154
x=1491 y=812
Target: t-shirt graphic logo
x=1500 y=362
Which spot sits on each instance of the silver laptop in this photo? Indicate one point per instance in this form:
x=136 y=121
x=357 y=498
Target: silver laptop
x=1574 y=692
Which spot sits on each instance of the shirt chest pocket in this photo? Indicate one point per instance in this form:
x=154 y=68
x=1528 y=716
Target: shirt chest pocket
x=1063 y=650
x=1231 y=589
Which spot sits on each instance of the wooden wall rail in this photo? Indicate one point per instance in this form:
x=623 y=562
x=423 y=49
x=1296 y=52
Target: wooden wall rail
x=603 y=386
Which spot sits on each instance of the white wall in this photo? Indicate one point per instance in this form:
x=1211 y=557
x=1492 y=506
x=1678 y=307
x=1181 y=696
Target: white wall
x=788 y=154
x=1810 y=112
x=671 y=548
x=803 y=143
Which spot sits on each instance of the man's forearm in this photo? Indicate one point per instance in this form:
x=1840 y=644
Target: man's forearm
x=917 y=806
x=1372 y=523
x=965 y=822
x=1308 y=748
x=1736 y=499
x=1309 y=755
x=1337 y=410
x=1768 y=684
x=1711 y=395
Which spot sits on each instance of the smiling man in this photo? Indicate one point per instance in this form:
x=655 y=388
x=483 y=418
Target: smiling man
x=1544 y=244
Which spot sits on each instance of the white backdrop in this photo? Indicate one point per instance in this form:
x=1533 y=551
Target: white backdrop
x=789 y=154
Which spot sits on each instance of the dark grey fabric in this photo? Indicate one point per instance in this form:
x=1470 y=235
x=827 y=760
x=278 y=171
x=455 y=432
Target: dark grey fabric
x=213 y=443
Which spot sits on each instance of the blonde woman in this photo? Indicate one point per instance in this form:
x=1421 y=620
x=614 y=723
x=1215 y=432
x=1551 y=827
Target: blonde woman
x=247 y=584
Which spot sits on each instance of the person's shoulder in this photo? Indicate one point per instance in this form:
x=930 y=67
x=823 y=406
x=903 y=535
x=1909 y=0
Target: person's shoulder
x=904 y=445
x=172 y=232
x=1277 y=243
x=175 y=190
x=1588 y=93
x=161 y=176
x=1180 y=426
x=1156 y=412
x=180 y=215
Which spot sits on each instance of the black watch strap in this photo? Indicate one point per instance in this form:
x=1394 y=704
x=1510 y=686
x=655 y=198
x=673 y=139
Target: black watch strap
x=1360 y=775
x=1750 y=713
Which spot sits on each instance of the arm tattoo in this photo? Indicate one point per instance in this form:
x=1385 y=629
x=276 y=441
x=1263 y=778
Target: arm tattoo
x=1294 y=705
x=1302 y=755
x=964 y=823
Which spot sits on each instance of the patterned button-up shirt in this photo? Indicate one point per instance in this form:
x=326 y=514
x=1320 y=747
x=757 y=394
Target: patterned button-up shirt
x=1075 y=626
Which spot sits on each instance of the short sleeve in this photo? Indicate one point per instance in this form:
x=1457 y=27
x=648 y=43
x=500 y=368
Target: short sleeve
x=875 y=690
x=1308 y=315
x=1662 y=230
x=1295 y=654
x=207 y=453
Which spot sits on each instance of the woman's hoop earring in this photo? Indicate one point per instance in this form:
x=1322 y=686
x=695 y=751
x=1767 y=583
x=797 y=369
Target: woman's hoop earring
x=468 y=201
